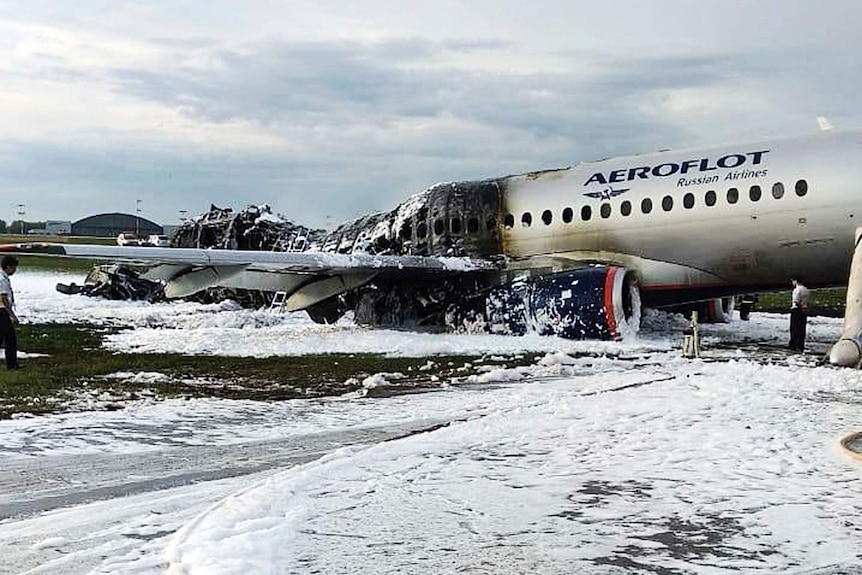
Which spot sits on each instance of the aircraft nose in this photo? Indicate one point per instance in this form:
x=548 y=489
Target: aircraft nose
x=845 y=353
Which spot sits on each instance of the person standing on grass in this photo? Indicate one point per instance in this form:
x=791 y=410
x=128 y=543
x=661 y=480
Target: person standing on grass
x=798 y=314
x=8 y=319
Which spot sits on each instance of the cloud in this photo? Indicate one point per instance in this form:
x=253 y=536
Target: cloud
x=360 y=127
x=329 y=95
x=371 y=105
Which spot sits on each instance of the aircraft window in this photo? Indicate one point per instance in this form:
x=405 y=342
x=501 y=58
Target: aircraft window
x=732 y=196
x=473 y=225
x=421 y=230
x=667 y=203
x=801 y=188
x=439 y=227
x=754 y=193
x=455 y=225
x=568 y=214
x=777 y=190
x=626 y=208
x=527 y=219
x=547 y=217
x=406 y=232
x=688 y=201
x=586 y=213
x=646 y=205
x=709 y=198
x=491 y=223
x=605 y=210
x=509 y=222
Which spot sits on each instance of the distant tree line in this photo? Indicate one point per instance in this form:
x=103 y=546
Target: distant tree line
x=18 y=226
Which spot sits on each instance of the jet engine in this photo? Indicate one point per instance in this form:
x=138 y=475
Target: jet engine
x=596 y=302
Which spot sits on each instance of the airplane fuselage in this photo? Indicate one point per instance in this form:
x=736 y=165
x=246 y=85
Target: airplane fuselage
x=722 y=219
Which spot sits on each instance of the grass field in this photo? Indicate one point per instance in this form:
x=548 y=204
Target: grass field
x=27 y=238
x=828 y=302
x=72 y=371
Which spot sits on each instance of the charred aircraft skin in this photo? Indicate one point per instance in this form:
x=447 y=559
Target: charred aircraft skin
x=116 y=282
x=448 y=219
x=254 y=228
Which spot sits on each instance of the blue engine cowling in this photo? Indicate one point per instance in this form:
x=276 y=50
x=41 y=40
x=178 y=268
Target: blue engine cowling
x=596 y=302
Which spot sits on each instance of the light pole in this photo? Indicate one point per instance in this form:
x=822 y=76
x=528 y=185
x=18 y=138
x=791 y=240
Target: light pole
x=21 y=211
x=138 y=218
x=183 y=216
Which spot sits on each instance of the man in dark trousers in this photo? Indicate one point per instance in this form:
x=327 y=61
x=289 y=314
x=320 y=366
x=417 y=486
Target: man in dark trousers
x=798 y=314
x=8 y=319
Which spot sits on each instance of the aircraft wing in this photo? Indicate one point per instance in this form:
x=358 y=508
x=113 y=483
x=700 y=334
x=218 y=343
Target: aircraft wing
x=306 y=277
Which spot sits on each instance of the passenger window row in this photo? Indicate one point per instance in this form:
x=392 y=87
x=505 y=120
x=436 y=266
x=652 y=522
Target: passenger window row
x=455 y=227
x=710 y=199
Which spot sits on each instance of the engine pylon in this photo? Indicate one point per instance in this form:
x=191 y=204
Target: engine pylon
x=847 y=351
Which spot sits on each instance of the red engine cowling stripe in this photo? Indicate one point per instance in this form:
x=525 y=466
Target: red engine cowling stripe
x=609 y=301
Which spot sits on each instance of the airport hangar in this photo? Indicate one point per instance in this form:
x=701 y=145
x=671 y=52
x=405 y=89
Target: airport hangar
x=113 y=224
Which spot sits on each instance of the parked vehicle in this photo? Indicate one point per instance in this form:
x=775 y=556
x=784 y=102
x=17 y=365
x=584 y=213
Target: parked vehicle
x=128 y=239
x=158 y=241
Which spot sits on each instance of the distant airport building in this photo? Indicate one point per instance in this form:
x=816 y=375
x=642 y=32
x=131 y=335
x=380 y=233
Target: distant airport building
x=112 y=225
x=58 y=227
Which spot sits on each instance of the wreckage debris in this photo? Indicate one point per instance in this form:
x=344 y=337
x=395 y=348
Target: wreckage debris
x=116 y=282
x=119 y=282
x=447 y=219
x=254 y=228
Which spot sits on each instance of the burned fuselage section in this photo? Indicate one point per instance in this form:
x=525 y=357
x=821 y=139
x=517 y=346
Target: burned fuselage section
x=450 y=219
x=455 y=219
x=254 y=228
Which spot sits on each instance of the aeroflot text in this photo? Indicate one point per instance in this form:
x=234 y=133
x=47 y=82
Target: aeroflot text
x=670 y=168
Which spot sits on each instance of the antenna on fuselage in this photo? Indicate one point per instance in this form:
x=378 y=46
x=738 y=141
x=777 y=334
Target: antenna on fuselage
x=824 y=123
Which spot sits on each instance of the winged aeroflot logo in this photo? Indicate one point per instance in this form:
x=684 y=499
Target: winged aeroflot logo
x=606 y=194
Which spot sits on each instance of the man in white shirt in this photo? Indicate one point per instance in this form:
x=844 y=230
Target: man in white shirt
x=798 y=314
x=8 y=319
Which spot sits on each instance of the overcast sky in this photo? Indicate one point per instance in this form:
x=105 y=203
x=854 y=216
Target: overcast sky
x=329 y=109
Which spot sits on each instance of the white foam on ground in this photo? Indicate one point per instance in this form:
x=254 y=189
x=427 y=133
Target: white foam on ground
x=634 y=458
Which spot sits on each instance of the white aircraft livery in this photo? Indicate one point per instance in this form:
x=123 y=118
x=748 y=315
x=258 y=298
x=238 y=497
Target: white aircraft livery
x=570 y=252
